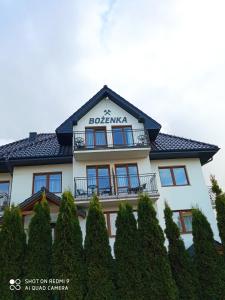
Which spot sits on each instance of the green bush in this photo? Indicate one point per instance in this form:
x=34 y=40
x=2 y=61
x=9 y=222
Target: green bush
x=12 y=252
x=68 y=256
x=180 y=262
x=98 y=256
x=207 y=259
x=154 y=263
x=128 y=281
x=39 y=251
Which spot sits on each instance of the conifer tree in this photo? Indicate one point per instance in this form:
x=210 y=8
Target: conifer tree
x=98 y=255
x=68 y=256
x=220 y=209
x=12 y=252
x=154 y=263
x=128 y=283
x=207 y=259
x=180 y=262
x=39 y=251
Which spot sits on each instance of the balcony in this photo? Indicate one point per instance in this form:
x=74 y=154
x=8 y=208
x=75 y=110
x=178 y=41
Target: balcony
x=4 y=202
x=118 y=143
x=212 y=197
x=115 y=188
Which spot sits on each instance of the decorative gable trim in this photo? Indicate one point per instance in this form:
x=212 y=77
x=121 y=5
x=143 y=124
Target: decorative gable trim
x=65 y=130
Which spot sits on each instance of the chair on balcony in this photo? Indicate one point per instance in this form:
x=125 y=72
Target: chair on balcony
x=137 y=189
x=79 y=143
x=106 y=191
x=80 y=192
x=142 y=140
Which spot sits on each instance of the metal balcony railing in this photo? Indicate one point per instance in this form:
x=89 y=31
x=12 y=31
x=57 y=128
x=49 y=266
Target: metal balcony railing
x=212 y=196
x=4 y=201
x=114 y=186
x=117 y=138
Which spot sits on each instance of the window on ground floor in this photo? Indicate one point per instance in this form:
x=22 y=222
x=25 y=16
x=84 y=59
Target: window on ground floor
x=51 y=181
x=4 y=187
x=110 y=220
x=183 y=219
x=173 y=176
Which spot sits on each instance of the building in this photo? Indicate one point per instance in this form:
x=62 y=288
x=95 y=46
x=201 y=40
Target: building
x=111 y=148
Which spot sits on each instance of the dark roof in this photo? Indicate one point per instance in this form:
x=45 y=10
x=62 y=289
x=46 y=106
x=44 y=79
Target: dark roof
x=41 y=150
x=65 y=130
x=171 y=146
x=29 y=202
x=45 y=149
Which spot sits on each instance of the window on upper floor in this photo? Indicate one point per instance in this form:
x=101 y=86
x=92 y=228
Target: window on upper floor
x=98 y=180
x=127 y=178
x=122 y=135
x=173 y=176
x=183 y=218
x=51 y=181
x=95 y=137
x=4 y=187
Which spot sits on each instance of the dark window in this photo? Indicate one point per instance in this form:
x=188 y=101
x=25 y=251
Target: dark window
x=95 y=137
x=123 y=136
x=127 y=177
x=98 y=180
x=51 y=181
x=4 y=187
x=110 y=220
x=173 y=176
x=183 y=218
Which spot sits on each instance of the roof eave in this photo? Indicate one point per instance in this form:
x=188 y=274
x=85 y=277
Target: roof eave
x=35 y=161
x=205 y=155
x=65 y=130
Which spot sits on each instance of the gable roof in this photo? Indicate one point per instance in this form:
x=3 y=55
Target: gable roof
x=65 y=130
x=29 y=203
x=45 y=149
x=171 y=146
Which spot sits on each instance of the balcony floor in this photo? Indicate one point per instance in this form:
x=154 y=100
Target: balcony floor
x=111 y=153
x=109 y=200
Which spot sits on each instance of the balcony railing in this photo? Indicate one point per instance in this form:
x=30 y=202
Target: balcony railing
x=119 y=137
x=212 y=196
x=4 y=201
x=114 y=186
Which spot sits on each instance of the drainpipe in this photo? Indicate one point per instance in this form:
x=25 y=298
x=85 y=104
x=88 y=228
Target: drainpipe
x=10 y=169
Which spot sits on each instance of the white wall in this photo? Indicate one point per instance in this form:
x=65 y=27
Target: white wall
x=185 y=197
x=80 y=167
x=6 y=177
x=98 y=111
x=23 y=179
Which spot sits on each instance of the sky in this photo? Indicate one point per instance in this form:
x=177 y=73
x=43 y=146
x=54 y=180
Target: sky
x=166 y=57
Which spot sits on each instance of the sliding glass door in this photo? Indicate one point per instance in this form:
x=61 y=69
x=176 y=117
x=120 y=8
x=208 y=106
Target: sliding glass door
x=98 y=180
x=127 y=178
x=123 y=136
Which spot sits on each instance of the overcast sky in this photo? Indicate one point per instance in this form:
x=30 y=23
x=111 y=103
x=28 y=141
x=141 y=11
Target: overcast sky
x=166 y=57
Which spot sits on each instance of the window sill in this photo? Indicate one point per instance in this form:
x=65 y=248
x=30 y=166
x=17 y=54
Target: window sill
x=167 y=186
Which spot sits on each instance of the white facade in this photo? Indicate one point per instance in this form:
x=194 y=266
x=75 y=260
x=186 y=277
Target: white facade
x=179 y=198
x=22 y=182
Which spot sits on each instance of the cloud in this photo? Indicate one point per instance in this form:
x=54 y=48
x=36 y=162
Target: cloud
x=167 y=57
